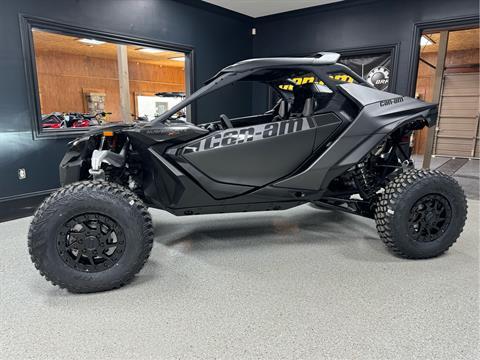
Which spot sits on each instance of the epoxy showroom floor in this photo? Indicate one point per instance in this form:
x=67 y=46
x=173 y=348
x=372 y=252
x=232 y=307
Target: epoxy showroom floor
x=301 y=283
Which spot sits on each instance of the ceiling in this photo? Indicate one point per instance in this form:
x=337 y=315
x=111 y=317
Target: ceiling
x=257 y=8
x=55 y=43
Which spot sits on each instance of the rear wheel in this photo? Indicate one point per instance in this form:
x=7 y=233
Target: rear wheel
x=90 y=236
x=421 y=213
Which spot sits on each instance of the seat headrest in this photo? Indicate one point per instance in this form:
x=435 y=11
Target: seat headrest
x=300 y=94
x=309 y=107
x=283 y=109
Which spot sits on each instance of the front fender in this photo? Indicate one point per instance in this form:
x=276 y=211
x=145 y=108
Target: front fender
x=76 y=161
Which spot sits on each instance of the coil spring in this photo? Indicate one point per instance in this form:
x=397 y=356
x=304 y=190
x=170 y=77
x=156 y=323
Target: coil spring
x=365 y=181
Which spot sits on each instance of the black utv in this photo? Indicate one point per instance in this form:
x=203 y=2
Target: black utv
x=330 y=139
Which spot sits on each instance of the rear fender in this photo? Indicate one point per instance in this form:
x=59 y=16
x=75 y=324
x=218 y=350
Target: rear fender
x=376 y=120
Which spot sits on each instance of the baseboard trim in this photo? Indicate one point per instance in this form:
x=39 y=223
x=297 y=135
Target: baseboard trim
x=27 y=195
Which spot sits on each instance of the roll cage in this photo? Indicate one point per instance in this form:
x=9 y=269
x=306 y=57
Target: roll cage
x=273 y=72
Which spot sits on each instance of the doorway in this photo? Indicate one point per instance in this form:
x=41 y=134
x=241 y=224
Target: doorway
x=448 y=74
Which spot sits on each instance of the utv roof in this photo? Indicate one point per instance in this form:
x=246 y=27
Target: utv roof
x=321 y=58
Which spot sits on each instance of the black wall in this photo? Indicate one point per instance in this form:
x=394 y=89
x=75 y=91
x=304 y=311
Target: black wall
x=354 y=24
x=219 y=38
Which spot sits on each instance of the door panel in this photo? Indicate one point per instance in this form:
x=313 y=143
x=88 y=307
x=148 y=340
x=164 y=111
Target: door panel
x=258 y=155
x=458 y=120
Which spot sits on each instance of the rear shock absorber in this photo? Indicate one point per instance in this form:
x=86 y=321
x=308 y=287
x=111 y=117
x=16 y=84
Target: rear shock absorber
x=365 y=181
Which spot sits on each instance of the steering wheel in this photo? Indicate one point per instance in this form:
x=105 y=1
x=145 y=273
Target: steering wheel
x=226 y=123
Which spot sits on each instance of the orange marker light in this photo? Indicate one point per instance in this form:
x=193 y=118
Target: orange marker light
x=108 y=133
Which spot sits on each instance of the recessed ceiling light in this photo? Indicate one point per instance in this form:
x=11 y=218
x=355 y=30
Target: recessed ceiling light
x=91 y=41
x=178 y=58
x=424 y=41
x=151 y=50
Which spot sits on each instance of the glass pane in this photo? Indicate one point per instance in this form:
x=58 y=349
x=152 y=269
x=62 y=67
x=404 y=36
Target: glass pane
x=462 y=50
x=78 y=80
x=462 y=58
x=426 y=65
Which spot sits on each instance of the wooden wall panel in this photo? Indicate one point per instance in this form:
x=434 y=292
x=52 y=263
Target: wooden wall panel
x=62 y=78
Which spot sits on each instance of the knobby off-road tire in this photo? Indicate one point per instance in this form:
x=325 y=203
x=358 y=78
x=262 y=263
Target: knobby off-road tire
x=421 y=214
x=90 y=236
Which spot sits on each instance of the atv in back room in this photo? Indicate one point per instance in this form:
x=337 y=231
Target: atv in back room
x=337 y=144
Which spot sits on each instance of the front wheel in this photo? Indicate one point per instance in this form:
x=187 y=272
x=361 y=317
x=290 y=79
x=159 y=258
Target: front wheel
x=421 y=214
x=90 y=236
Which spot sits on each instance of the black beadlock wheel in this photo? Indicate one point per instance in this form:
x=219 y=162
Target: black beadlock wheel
x=90 y=236
x=91 y=242
x=429 y=218
x=421 y=213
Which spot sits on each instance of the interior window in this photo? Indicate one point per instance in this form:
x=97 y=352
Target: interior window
x=84 y=82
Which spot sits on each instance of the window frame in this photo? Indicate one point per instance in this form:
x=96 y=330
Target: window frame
x=393 y=49
x=28 y=22
x=450 y=24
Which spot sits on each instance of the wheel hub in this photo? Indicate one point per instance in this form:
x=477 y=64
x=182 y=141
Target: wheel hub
x=91 y=242
x=429 y=218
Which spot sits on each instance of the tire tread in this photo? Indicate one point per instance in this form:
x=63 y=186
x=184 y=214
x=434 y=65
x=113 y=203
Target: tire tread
x=389 y=200
x=95 y=185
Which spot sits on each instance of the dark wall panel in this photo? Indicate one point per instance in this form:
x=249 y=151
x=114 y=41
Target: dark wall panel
x=219 y=38
x=354 y=24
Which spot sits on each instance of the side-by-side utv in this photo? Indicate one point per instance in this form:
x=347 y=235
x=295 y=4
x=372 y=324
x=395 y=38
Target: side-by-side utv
x=330 y=139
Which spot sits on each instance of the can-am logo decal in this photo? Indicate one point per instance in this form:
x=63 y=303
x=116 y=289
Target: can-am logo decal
x=252 y=133
x=391 y=101
x=313 y=80
x=379 y=77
